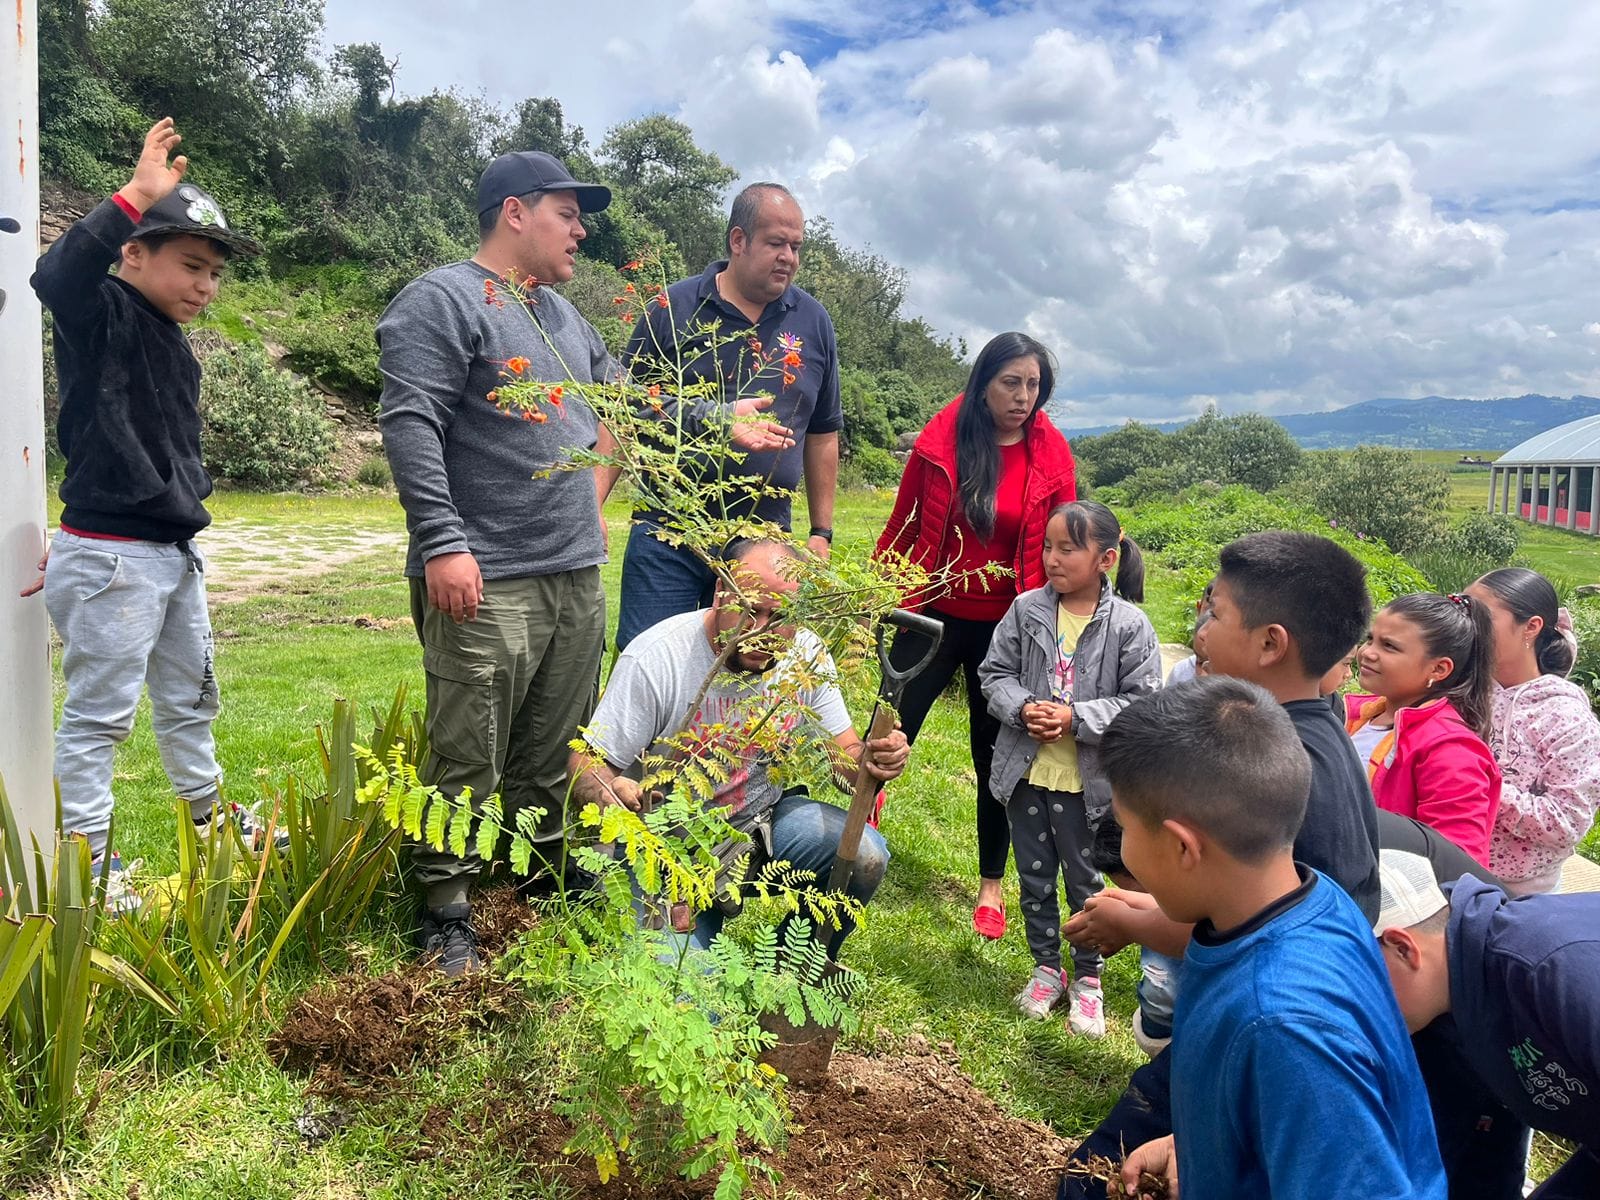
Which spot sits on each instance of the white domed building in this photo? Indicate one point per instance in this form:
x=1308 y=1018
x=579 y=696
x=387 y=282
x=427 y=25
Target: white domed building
x=1553 y=478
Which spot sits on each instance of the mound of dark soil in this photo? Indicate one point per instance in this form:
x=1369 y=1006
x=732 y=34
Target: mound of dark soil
x=911 y=1126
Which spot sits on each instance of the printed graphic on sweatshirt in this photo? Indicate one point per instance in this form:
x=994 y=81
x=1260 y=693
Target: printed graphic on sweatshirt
x=1547 y=1082
x=1062 y=675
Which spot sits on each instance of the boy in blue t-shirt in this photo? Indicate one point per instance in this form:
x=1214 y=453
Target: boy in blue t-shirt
x=1292 y=1073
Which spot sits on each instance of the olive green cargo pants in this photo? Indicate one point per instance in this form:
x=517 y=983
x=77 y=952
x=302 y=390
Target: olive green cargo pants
x=506 y=693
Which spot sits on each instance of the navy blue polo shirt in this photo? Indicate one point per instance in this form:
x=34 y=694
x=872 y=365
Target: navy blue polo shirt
x=809 y=405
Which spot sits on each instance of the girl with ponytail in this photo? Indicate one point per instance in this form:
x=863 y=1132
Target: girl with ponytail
x=1066 y=659
x=1544 y=734
x=1423 y=724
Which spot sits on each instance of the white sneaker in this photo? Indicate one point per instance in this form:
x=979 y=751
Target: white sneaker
x=1042 y=993
x=115 y=884
x=252 y=829
x=1086 y=1008
x=1151 y=1046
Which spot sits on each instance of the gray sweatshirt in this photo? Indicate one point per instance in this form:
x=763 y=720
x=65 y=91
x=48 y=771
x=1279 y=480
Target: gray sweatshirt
x=464 y=470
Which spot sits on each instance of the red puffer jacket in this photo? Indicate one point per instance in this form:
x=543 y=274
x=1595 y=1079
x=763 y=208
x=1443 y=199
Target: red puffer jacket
x=925 y=510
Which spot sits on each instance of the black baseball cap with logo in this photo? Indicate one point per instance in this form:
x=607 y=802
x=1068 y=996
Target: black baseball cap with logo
x=525 y=171
x=191 y=209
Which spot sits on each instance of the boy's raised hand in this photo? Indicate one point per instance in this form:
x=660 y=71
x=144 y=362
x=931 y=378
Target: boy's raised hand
x=155 y=177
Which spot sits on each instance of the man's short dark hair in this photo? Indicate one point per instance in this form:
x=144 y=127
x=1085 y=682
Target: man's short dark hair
x=490 y=217
x=1215 y=753
x=746 y=211
x=1313 y=587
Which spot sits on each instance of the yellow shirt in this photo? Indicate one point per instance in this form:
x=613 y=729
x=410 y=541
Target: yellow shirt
x=1056 y=766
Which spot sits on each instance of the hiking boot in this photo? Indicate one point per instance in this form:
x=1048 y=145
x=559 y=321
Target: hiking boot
x=448 y=940
x=1042 y=993
x=1086 y=1008
x=1148 y=1042
x=114 y=883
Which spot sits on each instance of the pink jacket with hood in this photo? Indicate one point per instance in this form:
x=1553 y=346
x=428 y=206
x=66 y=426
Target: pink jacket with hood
x=1436 y=770
x=1547 y=742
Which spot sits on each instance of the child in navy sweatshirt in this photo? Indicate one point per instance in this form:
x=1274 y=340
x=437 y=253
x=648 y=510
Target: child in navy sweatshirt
x=124 y=583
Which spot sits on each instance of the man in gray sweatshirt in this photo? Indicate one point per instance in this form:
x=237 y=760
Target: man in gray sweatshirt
x=504 y=559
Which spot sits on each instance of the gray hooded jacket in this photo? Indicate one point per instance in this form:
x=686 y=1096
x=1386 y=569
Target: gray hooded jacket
x=1117 y=660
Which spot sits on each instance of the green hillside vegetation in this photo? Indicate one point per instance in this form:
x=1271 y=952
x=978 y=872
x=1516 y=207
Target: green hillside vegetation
x=356 y=187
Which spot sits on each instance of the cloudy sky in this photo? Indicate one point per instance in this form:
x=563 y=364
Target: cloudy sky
x=1278 y=206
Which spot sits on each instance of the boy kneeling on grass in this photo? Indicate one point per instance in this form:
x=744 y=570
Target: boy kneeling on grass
x=1292 y=1074
x=125 y=585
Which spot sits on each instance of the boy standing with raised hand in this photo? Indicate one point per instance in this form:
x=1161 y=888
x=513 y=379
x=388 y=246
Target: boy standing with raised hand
x=125 y=584
x=1292 y=1073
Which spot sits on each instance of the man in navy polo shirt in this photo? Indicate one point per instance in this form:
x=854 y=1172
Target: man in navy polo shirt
x=751 y=290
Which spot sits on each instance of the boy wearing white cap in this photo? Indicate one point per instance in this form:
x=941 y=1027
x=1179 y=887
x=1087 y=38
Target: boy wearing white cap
x=1519 y=981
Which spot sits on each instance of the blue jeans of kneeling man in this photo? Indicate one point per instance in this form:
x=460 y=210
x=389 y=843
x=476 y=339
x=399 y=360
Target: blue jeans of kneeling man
x=805 y=834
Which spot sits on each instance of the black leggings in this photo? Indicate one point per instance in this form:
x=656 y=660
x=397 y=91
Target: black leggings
x=964 y=645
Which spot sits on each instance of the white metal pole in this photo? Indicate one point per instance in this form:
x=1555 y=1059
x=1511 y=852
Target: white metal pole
x=26 y=710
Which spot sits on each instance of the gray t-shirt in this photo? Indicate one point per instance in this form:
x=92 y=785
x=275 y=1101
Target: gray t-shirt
x=465 y=470
x=658 y=676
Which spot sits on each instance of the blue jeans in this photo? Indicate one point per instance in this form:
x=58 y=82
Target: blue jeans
x=658 y=581
x=1158 y=989
x=805 y=834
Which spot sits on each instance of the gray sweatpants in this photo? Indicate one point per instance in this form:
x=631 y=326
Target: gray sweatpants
x=1051 y=837
x=130 y=614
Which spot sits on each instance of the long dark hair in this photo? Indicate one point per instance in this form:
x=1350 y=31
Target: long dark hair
x=1457 y=628
x=1090 y=523
x=977 y=454
x=1528 y=594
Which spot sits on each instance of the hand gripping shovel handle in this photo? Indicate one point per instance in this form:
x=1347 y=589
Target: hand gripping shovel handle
x=890 y=689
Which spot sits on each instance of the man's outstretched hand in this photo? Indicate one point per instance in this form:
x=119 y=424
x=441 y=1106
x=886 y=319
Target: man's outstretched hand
x=155 y=177
x=752 y=431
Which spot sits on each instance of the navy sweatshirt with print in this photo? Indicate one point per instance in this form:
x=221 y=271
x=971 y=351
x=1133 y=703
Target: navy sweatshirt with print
x=130 y=393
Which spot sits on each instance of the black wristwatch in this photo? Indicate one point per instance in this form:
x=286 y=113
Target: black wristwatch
x=825 y=532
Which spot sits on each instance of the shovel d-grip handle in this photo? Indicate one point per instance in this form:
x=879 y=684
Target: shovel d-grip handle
x=890 y=689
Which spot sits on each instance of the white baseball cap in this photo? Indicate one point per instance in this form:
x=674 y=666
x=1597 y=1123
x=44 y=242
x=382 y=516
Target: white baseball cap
x=1410 y=892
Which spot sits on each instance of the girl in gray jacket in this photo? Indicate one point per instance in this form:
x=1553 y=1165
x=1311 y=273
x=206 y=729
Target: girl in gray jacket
x=1065 y=660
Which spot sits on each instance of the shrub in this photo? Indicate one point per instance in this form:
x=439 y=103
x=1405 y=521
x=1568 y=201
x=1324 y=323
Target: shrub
x=374 y=472
x=1245 y=448
x=264 y=428
x=1185 y=536
x=876 y=467
x=1493 y=537
x=1112 y=457
x=1383 y=493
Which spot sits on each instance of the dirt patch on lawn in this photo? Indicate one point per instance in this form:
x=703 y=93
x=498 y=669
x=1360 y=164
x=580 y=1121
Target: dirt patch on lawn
x=360 y=1032
x=244 y=558
x=909 y=1125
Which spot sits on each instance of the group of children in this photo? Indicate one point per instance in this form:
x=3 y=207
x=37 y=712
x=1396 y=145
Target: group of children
x=1241 y=814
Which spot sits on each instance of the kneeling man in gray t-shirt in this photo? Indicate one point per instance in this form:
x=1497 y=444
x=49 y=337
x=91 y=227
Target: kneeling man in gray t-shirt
x=656 y=681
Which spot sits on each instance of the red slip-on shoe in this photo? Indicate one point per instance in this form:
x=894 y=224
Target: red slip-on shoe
x=989 y=922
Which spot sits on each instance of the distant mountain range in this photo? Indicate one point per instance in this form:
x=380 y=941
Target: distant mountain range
x=1431 y=423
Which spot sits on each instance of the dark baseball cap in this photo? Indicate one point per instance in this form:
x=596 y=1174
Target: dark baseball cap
x=191 y=209
x=524 y=171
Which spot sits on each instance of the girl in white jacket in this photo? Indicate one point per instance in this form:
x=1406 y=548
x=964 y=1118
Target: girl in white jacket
x=1545 y=736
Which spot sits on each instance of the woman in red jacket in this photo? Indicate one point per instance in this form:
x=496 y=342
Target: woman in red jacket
x=977 y=489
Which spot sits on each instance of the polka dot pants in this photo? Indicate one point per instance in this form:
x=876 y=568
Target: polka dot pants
x=1051 y=838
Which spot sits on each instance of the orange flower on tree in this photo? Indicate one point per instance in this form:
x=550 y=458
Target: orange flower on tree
x=633 y=266
x=791 y=359
x=555 y=395
x=788 y=379
x=628 y=289
x=661 y=300
x=516 y=364
x=653 y=390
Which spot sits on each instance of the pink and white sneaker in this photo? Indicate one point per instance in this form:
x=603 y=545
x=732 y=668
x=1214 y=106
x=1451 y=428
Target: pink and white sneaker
x=1042 y=993
x=1086 y=1008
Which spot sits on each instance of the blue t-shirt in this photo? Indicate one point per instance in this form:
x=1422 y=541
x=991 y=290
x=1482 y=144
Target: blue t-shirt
x=1292 y=1072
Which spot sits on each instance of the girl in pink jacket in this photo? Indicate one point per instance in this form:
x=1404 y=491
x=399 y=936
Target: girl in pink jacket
x=1423 y=724
x=1544 y=736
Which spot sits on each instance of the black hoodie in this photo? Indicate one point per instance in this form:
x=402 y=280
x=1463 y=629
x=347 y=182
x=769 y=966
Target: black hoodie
x=130 y=393
x=1525 y=996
